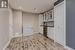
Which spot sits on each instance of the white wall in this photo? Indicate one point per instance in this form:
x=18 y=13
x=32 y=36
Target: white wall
x=17 y=22
x=10 y=23
x=30 y=23
x=4 y=27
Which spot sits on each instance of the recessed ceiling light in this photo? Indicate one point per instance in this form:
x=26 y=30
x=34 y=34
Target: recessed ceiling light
x=20 y=8
x=35 y=9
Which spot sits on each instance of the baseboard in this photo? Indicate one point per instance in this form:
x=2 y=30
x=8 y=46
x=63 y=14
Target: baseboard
x=67 y=47
x=6 y=45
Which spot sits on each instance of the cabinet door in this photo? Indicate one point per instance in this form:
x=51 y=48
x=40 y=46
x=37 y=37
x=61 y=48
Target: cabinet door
x=59 y=19
x=40 y=23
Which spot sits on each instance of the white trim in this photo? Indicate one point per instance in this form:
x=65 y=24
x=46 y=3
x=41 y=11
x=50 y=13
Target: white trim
x=6 y=45
x=65 y=20
x=68 y=48
x=10 y=40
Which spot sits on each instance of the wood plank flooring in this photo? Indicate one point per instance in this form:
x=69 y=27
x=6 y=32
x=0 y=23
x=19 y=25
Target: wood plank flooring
x=34 y=42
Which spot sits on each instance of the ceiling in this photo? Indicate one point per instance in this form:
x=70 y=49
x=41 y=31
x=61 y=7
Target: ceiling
x=32 y=6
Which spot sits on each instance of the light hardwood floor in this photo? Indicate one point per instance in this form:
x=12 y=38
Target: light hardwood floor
x=34 y=42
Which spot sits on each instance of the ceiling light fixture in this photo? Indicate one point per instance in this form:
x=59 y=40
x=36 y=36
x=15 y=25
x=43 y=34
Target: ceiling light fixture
x=35 y=9
x=20 y=8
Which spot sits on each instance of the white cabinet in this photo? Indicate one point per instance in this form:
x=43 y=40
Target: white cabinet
x=59 y=23
x=57 y=32
x=40 y=22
